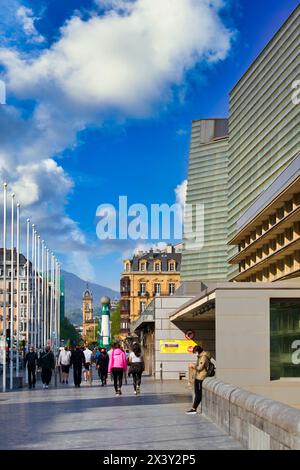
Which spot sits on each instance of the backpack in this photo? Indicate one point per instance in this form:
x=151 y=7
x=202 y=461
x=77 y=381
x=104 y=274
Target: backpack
x=210 y=369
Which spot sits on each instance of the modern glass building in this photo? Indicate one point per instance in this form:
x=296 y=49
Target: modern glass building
x=264 y=132
x=207 y=184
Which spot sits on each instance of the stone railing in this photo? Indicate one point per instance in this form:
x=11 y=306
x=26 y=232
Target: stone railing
x=257 y=422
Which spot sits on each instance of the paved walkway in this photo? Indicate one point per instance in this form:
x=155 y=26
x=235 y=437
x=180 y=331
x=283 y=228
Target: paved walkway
x=91 y=417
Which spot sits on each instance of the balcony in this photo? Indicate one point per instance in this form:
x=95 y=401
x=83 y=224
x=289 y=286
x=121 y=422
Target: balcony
x=148 y=316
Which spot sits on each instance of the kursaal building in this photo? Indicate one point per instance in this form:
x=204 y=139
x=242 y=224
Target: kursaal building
x=240 y=291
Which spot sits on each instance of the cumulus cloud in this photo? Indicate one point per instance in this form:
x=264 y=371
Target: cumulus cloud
x=121 y=61
x=26 y=17
x=180 y=192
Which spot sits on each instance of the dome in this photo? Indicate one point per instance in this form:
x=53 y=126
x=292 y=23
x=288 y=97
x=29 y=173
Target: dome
x=105 y=300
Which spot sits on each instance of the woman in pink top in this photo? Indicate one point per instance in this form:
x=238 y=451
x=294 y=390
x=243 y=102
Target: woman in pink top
x=117 y=365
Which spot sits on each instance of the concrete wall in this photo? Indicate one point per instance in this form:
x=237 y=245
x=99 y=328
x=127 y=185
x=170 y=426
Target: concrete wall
x=174 y=363
x=257 y=422
x=243 y=342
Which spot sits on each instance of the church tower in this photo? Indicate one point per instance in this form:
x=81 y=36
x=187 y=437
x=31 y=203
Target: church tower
x=87 y=312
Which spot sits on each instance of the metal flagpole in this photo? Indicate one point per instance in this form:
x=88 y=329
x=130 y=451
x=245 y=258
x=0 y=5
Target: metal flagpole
x=4 y=283
x=32 y=289
x=18 y=291
x=27 y=289
x=51 y=303
x=42 y=297
x=47 y=297
x=58 y=329
x=12 y=304
x=38 y=292
x=35 y=290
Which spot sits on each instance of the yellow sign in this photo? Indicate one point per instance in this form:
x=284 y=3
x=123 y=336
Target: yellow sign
x=177 y=346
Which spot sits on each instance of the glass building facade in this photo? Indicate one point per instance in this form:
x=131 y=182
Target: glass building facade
x=284 y=338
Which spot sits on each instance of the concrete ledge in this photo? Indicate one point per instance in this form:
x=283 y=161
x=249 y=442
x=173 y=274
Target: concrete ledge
x=255 y=421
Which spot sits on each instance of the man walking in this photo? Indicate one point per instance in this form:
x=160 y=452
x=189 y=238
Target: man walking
x=64 y=361
x=47 y=363
x=88 y=373
x=31 y=359
x=77 y=361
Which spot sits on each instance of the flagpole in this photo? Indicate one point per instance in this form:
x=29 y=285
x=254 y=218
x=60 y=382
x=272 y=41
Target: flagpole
x=12 y=306
x=58 y=329
x=27 y=289
x=42 y=297
x=35 y=290
x=32 y=290
x=47 y=297
x=4 y=282
x=51 y=303
x=38 y=293
x=18 y=291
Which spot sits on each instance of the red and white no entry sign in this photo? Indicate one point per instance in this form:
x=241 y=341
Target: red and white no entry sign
x=190 y=334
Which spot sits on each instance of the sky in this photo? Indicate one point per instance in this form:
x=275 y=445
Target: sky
x=100 y=99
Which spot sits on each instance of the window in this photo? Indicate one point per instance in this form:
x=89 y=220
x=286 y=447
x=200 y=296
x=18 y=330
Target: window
x=285 y=338
x=172 y=266
x=171 y=288
x=157 y=267
x=143 y=267
x=142 y=288
x=142 y=307
x=127 y=267
x=156 y=289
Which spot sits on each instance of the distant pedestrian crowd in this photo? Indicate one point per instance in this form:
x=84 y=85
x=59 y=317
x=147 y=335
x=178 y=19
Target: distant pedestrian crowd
x=116 y=363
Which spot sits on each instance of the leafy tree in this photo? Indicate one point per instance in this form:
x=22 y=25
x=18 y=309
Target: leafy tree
x=115 y=321
x=68 y=331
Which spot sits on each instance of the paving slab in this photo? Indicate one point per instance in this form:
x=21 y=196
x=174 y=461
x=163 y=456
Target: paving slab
x=91 y=418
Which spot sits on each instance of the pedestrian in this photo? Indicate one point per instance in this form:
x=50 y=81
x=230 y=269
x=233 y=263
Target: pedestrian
x=47 y=364
x=136 y=364
x=88 y=372
x=200 y=373
x=31 y=360
x=64 y=361
x=125 y=373
x=117 y=365
x=77 y=361
x=102 y=366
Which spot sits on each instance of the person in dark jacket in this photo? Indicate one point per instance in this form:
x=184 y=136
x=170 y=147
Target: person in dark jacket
x=102 y=365
x=77 y=361
x=47 y=364
x=31 y=360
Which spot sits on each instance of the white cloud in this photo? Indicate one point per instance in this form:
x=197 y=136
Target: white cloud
x=26 y=17
x=180 y=192
x=122 y=63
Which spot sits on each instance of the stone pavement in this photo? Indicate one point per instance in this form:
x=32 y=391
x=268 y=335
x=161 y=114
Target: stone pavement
x=91 y=417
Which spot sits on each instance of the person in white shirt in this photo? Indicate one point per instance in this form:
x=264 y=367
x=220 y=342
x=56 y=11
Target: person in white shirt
x=64 y=361
x=136 y=363
x=88 y=373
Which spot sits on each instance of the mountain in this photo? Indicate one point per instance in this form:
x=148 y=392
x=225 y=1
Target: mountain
x=74 y=288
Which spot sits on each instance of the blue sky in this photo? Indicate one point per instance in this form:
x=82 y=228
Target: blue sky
x=82 y=151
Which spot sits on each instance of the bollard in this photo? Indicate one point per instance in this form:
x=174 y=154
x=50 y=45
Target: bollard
x=161 y=372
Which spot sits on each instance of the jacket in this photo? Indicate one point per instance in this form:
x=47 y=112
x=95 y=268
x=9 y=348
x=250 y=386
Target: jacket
x=77 y=358
x=46 y=360
x=201 y=365
x=31 y=360
x=117 y=359
x=102 y=361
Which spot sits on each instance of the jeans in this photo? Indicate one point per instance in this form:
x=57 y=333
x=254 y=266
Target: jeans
x=136 y=370
x=198 y=393
x=31 y=376
x=77 y=372
x=46 y=376
x=118 y=377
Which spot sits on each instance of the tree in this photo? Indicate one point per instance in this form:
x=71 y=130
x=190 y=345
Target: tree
x=115 y=321
x=68 y=331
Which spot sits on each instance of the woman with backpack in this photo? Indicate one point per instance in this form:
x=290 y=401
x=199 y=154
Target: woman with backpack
x=136 y=363
x=200 y=369
x=117 y=366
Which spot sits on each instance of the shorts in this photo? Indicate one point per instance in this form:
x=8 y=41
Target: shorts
x=65 y=369
x=87 y=366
